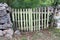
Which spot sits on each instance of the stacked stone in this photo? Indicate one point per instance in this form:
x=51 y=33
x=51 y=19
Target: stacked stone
x=5 y=22
x=57 y=17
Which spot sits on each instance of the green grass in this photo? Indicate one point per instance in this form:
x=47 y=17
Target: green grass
x=55 y=31
x=23 y=38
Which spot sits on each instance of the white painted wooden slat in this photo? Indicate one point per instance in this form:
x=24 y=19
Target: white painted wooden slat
x=31 y=20
x=34 y=18
x=39 y=19
x=48 y=17
x=42 y=17
x=21 y=19
x=13 y=14
x=26 y=20
x=18 y=19
x=45 y=18
x=36 y=21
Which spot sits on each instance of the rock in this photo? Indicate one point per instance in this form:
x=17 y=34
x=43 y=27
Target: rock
x=9 y=36
x=58 y=6
x=58 y=25
x=1 y=33
x=17 y=32
x=9 y=33
x=56 y=17
x=5 y=32
x=58 y=21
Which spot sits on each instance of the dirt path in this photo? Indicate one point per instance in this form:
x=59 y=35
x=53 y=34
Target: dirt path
x=42 y=35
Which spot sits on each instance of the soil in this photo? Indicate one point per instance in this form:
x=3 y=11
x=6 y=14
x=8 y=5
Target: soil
x=38 y=35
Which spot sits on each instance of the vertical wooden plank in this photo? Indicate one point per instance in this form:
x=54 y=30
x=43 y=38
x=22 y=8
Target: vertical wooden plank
x=42 y=17
x=13 y=14
x=48 y=17
x=30 y=19
x=14 y=20
x=34 y=18
x=45 y=18
x=39 y=19
x=18 y=19
x=21 y=19
x=26 y=20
